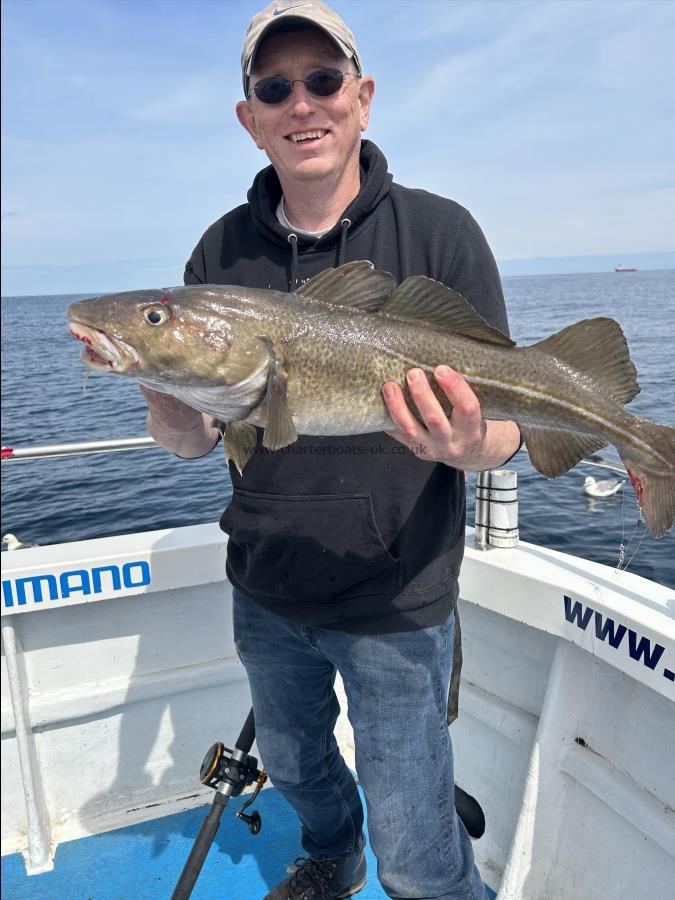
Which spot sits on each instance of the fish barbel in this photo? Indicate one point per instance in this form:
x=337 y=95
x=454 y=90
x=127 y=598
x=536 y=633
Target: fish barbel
x=313 y=362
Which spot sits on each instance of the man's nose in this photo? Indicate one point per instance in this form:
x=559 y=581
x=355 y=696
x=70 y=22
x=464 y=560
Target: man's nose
x=301 y=99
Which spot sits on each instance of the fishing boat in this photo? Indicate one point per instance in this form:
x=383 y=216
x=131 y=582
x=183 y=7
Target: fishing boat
x=120 y=672
x=624 y=269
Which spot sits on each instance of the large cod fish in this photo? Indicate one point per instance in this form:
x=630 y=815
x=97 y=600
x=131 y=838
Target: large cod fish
x=313 y=362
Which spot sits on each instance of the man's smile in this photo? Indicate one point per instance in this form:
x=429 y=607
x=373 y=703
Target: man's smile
x=306 y=137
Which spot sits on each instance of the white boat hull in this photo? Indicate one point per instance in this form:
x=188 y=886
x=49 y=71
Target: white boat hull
x=566 y=740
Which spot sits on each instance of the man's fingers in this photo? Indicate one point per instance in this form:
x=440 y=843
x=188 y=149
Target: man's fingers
x=466 y=412
x=429 y=408
x=400 y=413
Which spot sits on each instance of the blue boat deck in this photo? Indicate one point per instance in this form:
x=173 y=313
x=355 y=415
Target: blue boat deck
x=145 y=860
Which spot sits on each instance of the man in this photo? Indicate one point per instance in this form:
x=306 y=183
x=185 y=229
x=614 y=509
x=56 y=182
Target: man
x=344 y=552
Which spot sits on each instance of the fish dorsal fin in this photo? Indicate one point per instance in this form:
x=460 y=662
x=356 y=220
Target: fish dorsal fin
x=356 y=284
x=598 y=348
x=423 y=300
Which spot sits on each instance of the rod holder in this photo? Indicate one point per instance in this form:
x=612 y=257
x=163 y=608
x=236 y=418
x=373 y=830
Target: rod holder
x=496 y=509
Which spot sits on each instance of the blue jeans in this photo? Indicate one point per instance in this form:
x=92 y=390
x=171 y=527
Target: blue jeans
x=396 y=686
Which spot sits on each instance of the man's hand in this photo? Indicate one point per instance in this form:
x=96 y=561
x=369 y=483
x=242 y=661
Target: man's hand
x=465 y=440
x=177 y=427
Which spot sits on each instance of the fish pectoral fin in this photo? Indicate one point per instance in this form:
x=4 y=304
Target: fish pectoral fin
x=357 y=284
x=598 y=348
x=554 y=451
x=239 y=441
x=279 y=430
x=422 y=300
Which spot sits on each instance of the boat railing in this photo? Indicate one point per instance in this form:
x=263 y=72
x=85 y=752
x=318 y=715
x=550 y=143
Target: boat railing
x=603 y=463
x=61 y=451
x=496 y=521
x=119 y=445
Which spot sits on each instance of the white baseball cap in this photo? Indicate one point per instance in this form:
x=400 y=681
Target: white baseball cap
x=307 y=12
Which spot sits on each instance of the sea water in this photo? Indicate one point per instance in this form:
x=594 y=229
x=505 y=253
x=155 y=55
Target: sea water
x=45 y=400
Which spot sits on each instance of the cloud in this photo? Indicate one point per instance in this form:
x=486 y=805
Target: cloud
x=548 y=120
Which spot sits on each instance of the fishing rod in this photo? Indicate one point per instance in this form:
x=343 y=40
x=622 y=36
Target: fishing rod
x=229 y=775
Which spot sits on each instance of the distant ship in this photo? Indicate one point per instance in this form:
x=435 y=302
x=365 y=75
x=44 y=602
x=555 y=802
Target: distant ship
x=624 y=269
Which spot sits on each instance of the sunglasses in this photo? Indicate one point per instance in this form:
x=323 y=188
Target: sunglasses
x=321 y=83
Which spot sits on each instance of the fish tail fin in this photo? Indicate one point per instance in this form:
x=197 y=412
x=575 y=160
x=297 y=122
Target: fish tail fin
x=598 y=348
x=652 y=473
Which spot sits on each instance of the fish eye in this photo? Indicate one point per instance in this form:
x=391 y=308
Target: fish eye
x=156 y=315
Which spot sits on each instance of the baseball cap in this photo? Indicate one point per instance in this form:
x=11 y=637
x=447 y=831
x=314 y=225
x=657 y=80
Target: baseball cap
x=307 y=12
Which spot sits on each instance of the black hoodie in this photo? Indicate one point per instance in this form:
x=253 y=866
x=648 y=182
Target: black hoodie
x=351 y=533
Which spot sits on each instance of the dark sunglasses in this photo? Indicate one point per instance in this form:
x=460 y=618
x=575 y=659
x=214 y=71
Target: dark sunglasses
x=322 y=83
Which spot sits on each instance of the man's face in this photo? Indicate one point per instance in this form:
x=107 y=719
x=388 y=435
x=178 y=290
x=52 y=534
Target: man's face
x=340 y=117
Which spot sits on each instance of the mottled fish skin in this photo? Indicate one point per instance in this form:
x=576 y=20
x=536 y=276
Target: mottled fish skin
x=322 y=355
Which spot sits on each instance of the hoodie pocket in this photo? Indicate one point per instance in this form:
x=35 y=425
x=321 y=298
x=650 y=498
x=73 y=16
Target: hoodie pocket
x=308 y=549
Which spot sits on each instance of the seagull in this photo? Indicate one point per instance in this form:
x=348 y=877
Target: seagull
x=12 y=542
x=607 y=487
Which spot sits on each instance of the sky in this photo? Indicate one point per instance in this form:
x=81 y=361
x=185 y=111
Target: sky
x=553 y=121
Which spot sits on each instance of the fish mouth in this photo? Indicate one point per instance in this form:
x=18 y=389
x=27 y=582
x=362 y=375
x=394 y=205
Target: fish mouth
x=103 y=353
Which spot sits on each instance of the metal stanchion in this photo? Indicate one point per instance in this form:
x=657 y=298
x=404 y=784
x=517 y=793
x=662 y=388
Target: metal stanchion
x=496 y=509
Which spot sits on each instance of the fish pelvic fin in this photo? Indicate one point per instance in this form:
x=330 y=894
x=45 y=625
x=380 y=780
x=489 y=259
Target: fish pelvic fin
x=597 y=348
x=554 y=451
x=357 y=284
x=653 y=475
x=239 y=441
x=280 y=429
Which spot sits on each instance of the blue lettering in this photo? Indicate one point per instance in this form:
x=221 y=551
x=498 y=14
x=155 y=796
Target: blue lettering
x=81 y=576
x=7 y=593
x=582 y=616
x=644 y=649
x=144 y=576
x=83 y=581
x=35 y=582
x=606 y=630
x=114 y=574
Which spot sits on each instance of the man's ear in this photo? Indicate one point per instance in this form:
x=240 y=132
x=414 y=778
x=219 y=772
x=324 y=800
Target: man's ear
x=247 y=119
x=366 y=92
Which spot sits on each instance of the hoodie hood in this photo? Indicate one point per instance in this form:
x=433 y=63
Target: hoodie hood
x=265 y=194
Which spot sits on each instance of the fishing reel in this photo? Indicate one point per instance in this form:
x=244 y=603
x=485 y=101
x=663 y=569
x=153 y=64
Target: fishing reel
x=230 y=771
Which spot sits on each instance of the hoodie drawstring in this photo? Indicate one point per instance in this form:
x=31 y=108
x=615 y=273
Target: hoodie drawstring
x=345 y=225
x=292 y=239
x=295 y=268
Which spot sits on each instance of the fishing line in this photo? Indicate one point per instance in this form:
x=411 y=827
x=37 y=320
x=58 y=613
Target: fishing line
x=644 y=532
x=624 y=548
x=622 y=545
x=622 y=557
x=87 y=373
